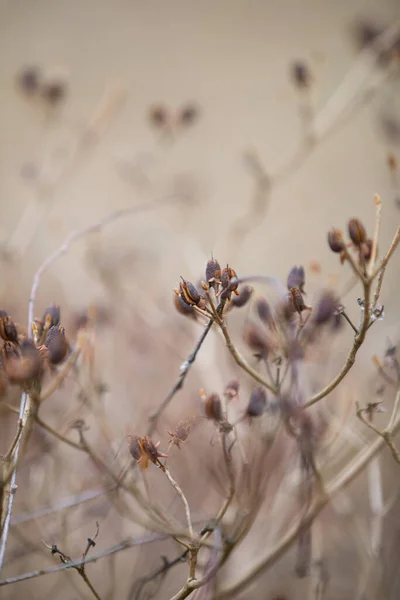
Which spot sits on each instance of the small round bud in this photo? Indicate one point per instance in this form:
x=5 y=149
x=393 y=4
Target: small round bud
x=257 y=403
x=357 y=232
x=335 y=240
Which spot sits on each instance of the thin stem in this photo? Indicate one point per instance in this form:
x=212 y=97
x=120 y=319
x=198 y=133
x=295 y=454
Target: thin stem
x=176 y=486
x=350 y=322
x=371 y=265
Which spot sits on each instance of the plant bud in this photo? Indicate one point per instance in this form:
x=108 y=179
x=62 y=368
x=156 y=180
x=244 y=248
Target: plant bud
x=325 y=308
x=357 y=232
x=257 y=341
x=8 y=330
x=213 y=407
x=227 y=274
x=296 y=278
x=51 y=316
x=264 y=311
x=367 y=249
x=257 y=403
x=188 y=293
x=335 y=240
x=134 y=448
x=243 y=298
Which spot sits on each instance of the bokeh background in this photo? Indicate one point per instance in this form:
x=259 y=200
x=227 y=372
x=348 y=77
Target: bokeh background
x=66 y=165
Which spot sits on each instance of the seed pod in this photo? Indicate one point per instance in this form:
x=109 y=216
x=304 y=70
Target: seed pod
x=28 y=80
x=227 y=288
x=296 y=278
x=188 y=115
x=232 y=389
x=188 y=293
x=213 y=271
x=325 y=308
x=335 y=240
x=149 y=451
x=264 y=311
x=8 y=330
x=257 y=341
x=296 y=299
x=183 y=308
x=367 y=249
x=243 y=298
x=51 y=316
x=134 y=448
x=213 y=407
x=56 y=344
x=26 y=366
x=357 y=232
x=301 y=74
x=257 y=403
x=158 y=115
x=54 y=91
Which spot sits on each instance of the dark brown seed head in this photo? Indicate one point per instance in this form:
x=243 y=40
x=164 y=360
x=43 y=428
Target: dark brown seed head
x=213 y=407
x=56 y=344
x=257 y=403
x=232 y=388
x=188 y=293
x=54 y=92
x=296 y=278
x=51 y=316
x=188 y=114
x=213 y=271
x=325 y=307
x=296 y=299
x=257 y=340
x=134 y=448
x=158 y=115
x=8 y=330
x=357 y=232
x=243 y=298
x=335 y=240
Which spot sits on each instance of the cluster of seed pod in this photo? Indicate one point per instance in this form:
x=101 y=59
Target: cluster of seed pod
x=144 y=450
x=52 y=90
x=23 y=360
x=359 y=242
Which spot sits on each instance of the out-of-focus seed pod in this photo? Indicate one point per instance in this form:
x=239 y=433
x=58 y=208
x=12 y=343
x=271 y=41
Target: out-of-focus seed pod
x=296 y=278
x=264 y=311
x=158 y=115
x=28 y=80
x=232 y=389
x=243 y=297
x=54 y=91
x=37 y=330
x=257 y=341
x=188 y=114
x=51 y=316
x=297 y=300
x=134 y=447
x=257 y=403
x=8 y=330
x=213 y=271
x=56 y=344
x=392 y=162
x=213 y=407
x=325 y=307
x=183 y=308
x=357 y=232
x=26 y=366
x=367 y=249
x=335 y=240
x=301 y=74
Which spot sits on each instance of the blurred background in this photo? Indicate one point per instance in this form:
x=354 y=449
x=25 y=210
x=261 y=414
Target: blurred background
x=257 y=126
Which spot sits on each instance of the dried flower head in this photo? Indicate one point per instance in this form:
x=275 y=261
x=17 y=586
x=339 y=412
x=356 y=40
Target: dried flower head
x=8 y=329
x=296 y=278
x=181 y=433
x=213 y=272
x=56 y=344
x=357 y=232
x=143 y=450
x=257 y=403
x=243 y=297
x=335 y=240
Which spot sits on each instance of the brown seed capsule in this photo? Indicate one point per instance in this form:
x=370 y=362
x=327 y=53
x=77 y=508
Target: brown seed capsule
x=213 y=271
x=51 y=316
x=357 y=232
x=296 y=299
x=264 y=311
x=54 y=92
x=392 y=162
x=257 y=340
x=56 y=344
x=181 y=433
x=28 y=80
x=188 y=293
x=134 y=448
x=243 y=298
x=213 y=407
x=158 y=115
x=188 y=115
x=257 y=403
x=149 y=451
x=232 y=389
x=325 y=308
x=296 y=278
x=183 y=308
x=367 y=249
x=8 y=330
x=25 y=367
x=335 y=240
x=301 y=74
